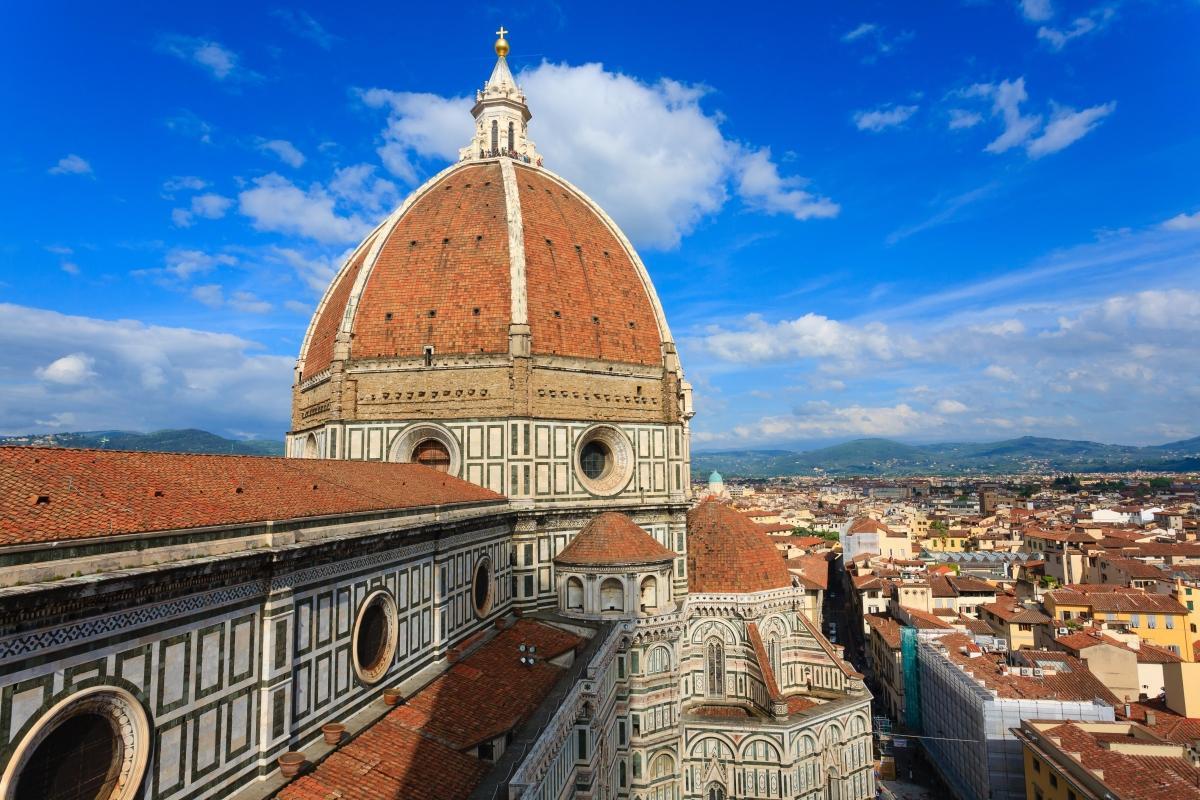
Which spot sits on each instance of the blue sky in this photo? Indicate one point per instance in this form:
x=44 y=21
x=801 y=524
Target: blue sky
x=931 y=221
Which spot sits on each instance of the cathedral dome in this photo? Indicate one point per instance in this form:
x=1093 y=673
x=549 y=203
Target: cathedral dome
x=729 y=553
x=484 y=249
x=610 y=539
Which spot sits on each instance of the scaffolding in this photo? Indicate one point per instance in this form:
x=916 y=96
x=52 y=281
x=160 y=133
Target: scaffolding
x=911 y=665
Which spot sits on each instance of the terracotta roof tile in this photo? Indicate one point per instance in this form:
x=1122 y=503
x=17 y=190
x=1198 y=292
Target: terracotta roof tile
x=55 y=494
x=416 y=752
x=613 y=538
x=729 y=553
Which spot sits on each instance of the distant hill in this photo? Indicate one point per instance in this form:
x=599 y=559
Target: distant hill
x=189 y=440
x=884 y=457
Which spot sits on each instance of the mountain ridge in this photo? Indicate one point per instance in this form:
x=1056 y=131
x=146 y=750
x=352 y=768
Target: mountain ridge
x=886 y=457
x=173 y=440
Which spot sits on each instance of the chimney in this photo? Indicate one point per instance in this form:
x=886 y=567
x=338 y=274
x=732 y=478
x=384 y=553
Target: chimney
x=1127 y=710
x=1151 y=719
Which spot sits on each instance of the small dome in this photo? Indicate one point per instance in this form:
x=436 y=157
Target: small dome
x=715 y=477
x=729 y=553
x=612 y=538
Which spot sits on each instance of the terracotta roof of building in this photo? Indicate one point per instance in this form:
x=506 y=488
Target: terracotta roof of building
x=57 y=494
x=585 y=292
x=812 y=570
x=418 y=750
x=1075 y=683
x=1115 y=598
x=1009 y=611
x=886 y=627
x=868 y=525
x=1129 y=764
x=764 y=663
x=728 y=553
x=612 y=538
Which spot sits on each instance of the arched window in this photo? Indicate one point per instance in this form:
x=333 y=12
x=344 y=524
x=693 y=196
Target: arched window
x=773 y=655
x=310 y=446
x=715 y=792
x=574 y=594
x=715 y=668
x=432 y=453
x=659 y=660
x=511 y=138
x=663 y=766
x=612 y=595
x=495 y=136
x=622 y=780
x=637 y=765
x=649 y=593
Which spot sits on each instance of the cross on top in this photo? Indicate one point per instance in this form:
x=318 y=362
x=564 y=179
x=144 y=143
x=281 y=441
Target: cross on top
x=501 y=33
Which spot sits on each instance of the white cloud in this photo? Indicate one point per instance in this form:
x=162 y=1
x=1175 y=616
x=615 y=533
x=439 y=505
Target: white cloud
x=210 y=294
x=1037 y=10
x=1007 y=97
x=889 y=116
x=213 y=57
x=948 y=406
x=1000 y=373
x=1183 y=222
x=249 y=303
x=71 y=164
x=284 y=150
x=208 y=206
x=961 y=118
x=359 y=186
x=820 y=420
x=421 y=125
x=69 y=370
x=1096 y=20
x=762 y=188
x=862 y=30
x=69 y=267
x=809 y=336
x=276 y=204
x=145 y=377
x=188 y=124
x=184 y=263
x=181 y=183
x=1006 y=327
x=1066 y=127
x=302 y=24
x=658 y=178
x=316 y=272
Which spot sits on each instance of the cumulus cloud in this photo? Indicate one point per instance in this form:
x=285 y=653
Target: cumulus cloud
x=69 y=370
x=134 y=376
x=213 y=296
x=809 y=336
x=1000 y=373
x=71 y=164
x=948 y=406
x=276 y=204
x=882 y=118
x=180 y=183
x=658 y=178
x=1066 y=125
x=213 y=57
x=864 y=29
x=284 y=150
x=186 y=123
x=210 y=294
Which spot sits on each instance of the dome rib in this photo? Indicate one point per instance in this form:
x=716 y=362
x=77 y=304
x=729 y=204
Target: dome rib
x=729 y=553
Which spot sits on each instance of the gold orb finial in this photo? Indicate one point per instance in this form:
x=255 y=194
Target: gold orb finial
x=501 y=43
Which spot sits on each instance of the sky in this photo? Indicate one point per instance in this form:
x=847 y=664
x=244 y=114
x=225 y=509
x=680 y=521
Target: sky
x=938 y=221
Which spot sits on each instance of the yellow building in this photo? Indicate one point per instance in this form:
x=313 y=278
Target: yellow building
x=1156 y=618
x=1012 y=622
x=1103 y=760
